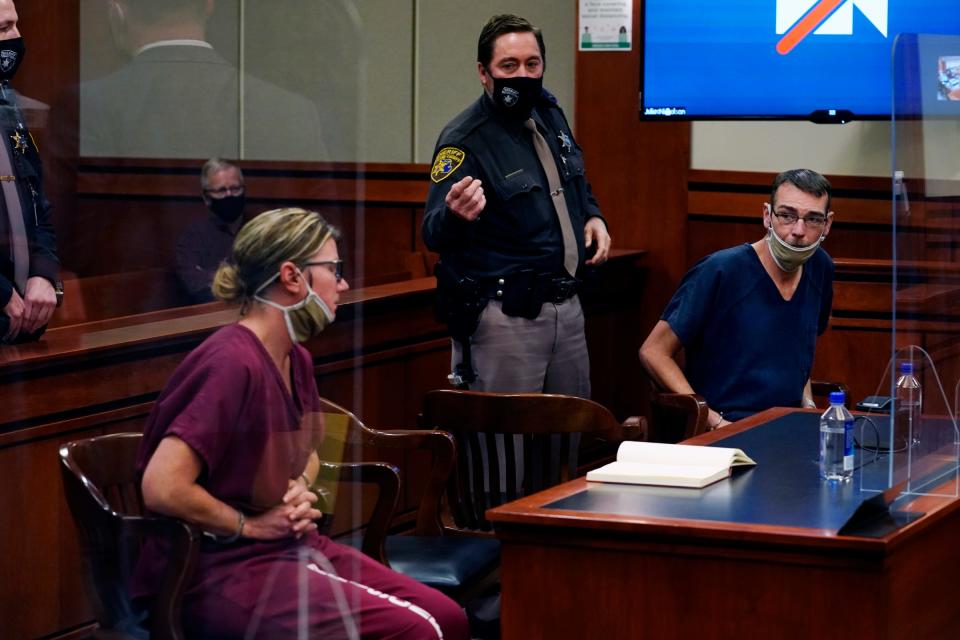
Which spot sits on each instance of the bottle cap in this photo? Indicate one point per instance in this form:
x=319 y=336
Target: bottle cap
x=906 y=367
x=837 y=397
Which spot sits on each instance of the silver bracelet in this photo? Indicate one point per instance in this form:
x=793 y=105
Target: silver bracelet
x=236 y=535
x=306 y=480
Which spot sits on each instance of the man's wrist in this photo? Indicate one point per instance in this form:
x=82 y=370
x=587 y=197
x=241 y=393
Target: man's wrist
x=713 y=424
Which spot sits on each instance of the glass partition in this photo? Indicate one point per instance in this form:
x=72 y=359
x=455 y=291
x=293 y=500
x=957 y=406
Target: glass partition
x=329 y=105
x=309 y=98
x=914 y=447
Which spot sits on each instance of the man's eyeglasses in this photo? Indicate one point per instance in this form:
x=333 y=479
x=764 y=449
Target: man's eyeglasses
x=223 y=192
x=337 y=265
x=815 y=220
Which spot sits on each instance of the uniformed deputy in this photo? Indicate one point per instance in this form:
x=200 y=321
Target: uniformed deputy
x=512 y=215
x=29 y=268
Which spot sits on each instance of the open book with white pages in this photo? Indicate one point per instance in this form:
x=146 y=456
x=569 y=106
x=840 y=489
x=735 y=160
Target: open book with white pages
x=670 y=465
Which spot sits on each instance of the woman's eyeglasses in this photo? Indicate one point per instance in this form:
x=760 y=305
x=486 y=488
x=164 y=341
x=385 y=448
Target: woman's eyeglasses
x=337 y=265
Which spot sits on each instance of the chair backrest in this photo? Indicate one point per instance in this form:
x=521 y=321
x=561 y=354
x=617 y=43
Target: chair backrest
x=99 y=483
x=345 y=435
x=340 y=452
x=509 y=445
x=102 y=490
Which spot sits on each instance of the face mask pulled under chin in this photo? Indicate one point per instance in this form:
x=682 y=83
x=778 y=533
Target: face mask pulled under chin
x=305 y=319
x=788 y=257
x=517 y=96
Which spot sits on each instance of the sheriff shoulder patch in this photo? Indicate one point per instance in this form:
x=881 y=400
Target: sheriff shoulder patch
x=446 y=162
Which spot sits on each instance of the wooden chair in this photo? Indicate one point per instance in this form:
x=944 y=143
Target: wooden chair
x=457 y=553
x=103 y=493
x=678 y=416
x=345 y=433
x=101 y=487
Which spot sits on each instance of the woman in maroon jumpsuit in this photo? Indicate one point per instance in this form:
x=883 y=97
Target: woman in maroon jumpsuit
x=231 y=447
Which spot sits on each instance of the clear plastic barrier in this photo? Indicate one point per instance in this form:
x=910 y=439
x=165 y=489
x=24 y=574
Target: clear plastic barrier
x=914 y=447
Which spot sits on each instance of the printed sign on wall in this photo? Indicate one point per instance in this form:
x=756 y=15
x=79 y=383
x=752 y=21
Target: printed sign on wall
x=605 y=25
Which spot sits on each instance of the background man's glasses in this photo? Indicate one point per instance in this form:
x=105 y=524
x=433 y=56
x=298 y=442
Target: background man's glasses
x=337 y=265
x=814 y=220
x=223 y=192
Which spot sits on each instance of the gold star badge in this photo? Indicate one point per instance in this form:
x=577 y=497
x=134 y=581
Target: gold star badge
x=20 y=144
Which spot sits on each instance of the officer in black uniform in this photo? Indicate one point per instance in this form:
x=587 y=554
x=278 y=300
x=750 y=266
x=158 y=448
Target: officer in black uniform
x=507 y=275
x=29 y=268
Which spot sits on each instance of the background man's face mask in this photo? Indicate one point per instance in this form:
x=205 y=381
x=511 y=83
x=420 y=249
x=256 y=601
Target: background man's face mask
x=228 y=208
x=304 y=319
x=788 y=257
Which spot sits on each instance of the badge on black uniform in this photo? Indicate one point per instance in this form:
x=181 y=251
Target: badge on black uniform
x=20 y=142
x=446 y=162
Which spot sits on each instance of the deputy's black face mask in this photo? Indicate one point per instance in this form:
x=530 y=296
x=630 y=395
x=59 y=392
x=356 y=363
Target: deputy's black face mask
x=228 y=208
x=11 y=55
x=515 y=97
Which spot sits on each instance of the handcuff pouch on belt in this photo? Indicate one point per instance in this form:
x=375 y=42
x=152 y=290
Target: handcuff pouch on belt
x=459 y=305
x=523 y=294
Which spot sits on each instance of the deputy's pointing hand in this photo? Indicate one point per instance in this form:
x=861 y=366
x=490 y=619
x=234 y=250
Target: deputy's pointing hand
x=466 y=198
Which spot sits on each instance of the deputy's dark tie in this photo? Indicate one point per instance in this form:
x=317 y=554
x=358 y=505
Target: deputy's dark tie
x=19 y=249
x=571 y=256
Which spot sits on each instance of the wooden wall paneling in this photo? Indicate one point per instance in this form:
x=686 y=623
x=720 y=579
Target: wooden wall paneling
x=941 y=384
x=132 y=212
x=638 y=171
x=382 y=240
x=855 y=355
x=614 y=300
x=130 y=234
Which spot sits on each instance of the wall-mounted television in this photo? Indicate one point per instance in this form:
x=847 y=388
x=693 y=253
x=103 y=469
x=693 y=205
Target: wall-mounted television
x=821 y=60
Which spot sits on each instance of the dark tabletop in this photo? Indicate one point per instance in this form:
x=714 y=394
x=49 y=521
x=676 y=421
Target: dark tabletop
x=784 y=488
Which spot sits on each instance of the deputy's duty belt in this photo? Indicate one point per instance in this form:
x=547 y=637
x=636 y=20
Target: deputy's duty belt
x=548 y=288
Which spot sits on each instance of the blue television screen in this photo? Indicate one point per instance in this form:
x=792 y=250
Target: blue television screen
x=788 y=59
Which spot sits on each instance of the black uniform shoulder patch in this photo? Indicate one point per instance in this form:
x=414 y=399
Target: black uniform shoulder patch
x=447 y=161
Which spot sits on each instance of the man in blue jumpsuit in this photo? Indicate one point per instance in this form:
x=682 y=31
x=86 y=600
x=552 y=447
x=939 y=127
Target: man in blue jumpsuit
x=513 y=217
x=747 y=318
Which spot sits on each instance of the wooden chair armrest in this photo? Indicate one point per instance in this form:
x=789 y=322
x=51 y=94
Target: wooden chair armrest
x=681 y=400
x=634 y=428
x=453 y=531
x=444 y=449
x=822 y=389
x=692 y=405
x=387 y=478
x=439 y=442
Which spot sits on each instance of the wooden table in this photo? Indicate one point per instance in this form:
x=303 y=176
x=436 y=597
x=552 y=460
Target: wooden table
x=753 y=556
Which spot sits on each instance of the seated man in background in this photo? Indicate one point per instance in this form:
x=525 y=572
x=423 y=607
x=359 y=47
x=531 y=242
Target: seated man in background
x=205 y=243
x=748 y=317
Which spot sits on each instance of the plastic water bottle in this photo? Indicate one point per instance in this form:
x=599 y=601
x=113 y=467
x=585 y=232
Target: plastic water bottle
x=836 y=440
x=908 y=405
